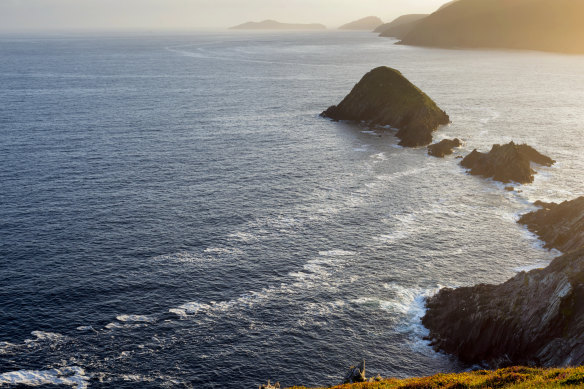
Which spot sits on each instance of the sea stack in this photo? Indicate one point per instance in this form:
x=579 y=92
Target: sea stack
x=506 y=163
x=561 y=226
x=444 y=147
x=385 y=97
x=534 y=318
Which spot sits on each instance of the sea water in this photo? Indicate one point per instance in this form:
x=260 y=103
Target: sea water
x=175 y=213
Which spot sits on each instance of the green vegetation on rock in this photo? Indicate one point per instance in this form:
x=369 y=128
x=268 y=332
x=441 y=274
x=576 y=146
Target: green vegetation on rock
x=512 y=377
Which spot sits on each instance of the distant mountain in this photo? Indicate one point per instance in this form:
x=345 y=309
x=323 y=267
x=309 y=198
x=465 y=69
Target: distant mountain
x=274 y=25
x=447 y=4
x=399 y=27
x=369 y=23
x=546 y=25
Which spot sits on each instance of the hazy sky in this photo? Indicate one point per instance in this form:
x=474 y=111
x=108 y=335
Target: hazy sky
x=194 y=14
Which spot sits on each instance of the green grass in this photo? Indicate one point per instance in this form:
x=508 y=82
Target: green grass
x=512 y=377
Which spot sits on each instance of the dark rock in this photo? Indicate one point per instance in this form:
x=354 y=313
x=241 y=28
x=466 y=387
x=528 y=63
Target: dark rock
x=534 y=318
x=270 y=386
x=355 y=374
x=506 y=163
x=561 y=226
x=509 y=188
x=444 y=147
x=385 y=97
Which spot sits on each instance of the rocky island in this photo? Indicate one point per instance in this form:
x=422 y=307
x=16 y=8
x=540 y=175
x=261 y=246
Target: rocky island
x=561 y=226
x=385 y=97
x=506 y=163
x=274 y=25
x=368 y=23
x=444 y=147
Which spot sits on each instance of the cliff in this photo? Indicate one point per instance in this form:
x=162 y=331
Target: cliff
x=506 y=163
x=400 y=27
x=368 y=23
x=546 y=25
x=534 y=318
x=561 y=226
x=385 y=97
x=274 y=25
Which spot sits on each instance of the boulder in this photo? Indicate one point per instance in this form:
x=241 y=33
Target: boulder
x=506 y=163
x=534 y=318
x=385 y=97
x=561 y=226
x=444 y=147
x=355 y=374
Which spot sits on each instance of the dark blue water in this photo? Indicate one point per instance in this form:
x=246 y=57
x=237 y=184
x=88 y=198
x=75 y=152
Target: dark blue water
x=174 y=213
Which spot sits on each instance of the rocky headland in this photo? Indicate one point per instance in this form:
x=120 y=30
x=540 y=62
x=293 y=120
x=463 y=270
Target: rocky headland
x=534 y=318
x=506 y=163
x=444 y=147
x=275 y=25
x=561 y=226
x=546 y=25
x=368 y=23
x=385 y=97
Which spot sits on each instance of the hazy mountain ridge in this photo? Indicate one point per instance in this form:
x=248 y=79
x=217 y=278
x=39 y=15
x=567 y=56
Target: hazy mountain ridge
x=400 y=26
x=366 y=23
x=275 y=25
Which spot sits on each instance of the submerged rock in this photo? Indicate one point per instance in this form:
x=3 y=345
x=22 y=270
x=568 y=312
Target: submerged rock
x=355 y=374
x=534 y=318
x=385 y=97
x=506 y=163
x=561 y=226
x=444 y=147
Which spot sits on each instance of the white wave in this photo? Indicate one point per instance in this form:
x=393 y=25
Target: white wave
x=361 y=148
x=46 y=336
x=85 y=328
x=335 y=253
x=136 y=318
x=379 y=156
x=69 y=376
x=222 y=251
x=371 y=132
x=537 y=265
x=245 y=237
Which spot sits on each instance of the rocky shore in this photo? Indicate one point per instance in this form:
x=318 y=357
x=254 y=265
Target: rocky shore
x=506 y=163
x=385 y=97
x=534 y=318
x=561 y=226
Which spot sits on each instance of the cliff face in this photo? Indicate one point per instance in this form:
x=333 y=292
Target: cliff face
x=535 y=317
x=506 y=163
x=385 y=97
x=548 y=25
x=561 y=226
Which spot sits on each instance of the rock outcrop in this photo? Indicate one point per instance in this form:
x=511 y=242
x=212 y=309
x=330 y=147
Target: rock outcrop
x=561 y=226
x=444 y=147
x=274 y=25
x=506 y=163
x=385 y=97
x=368 y=23
x=355 y=374
x=534 y=318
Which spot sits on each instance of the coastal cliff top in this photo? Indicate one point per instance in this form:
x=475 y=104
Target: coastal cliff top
x=512 y=377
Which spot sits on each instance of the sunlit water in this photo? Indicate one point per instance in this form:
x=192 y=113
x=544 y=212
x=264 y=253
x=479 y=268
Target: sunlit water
x=174 y=212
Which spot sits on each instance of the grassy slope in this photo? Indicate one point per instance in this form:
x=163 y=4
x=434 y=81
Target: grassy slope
x=512 y=377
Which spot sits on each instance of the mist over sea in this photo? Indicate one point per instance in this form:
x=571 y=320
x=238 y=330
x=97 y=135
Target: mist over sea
x=174 y=212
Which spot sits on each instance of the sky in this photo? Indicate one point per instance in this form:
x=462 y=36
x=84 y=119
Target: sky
x=24 y=15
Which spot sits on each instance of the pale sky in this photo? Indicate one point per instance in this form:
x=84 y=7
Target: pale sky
x=194 y=14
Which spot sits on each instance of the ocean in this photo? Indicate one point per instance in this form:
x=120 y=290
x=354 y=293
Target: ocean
x=175 y=213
